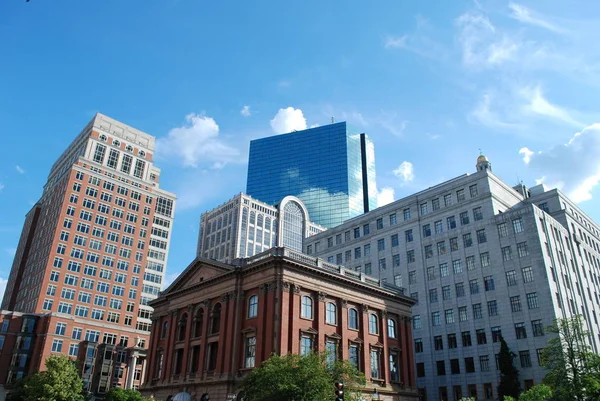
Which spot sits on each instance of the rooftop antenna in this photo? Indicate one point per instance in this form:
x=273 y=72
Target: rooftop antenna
x=480 y=152
x=332 y=120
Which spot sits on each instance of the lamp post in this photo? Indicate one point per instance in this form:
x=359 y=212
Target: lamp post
x=375 y=395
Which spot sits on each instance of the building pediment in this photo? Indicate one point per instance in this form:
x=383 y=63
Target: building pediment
x=198 y=271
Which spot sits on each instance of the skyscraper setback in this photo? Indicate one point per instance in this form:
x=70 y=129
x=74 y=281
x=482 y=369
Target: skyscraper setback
x=93 y=249
x=330 y=168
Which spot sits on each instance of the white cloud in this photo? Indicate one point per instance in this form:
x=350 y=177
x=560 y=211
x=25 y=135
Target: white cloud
x=394 y=127
x=20 y=169
x=245 y=111
x=526 y=154
x=385 y=196
x=1 y=186
x=197 y=141
x=3 y=283
x=395 y=41
x=485 y=115
x=573 y=167
x=527 y=16
x=287 y=120
x=536 y=103
x=405 y=172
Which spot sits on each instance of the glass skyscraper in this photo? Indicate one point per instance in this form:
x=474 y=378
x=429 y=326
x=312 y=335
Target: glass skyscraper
x=330 y=168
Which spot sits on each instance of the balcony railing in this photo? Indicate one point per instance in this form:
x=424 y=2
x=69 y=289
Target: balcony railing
x=321 y=264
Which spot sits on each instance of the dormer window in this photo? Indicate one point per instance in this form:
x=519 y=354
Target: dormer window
x=116 y=142
x=102 y=138
x=142 y=153
x=129 y=148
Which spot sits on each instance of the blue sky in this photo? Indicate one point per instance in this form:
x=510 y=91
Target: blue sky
x=430 y=82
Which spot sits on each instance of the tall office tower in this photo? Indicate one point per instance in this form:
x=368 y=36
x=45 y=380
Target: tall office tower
x=330 y=168
x=483 y=260
x=93 y=250
x=243 y=227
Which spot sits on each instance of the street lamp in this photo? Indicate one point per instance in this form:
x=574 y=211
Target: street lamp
x=375 y=396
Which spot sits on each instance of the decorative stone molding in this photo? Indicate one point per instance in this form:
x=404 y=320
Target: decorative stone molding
x=286 y=286
x=264 y=288
x=296 y=289
x=345 y=303
x=322 y=296
x=364 y=308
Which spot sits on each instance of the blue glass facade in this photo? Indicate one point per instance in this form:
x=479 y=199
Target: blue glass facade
x=330 y=168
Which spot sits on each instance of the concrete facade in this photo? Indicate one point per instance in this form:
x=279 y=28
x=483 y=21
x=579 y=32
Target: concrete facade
x=218 y=321
x=482 y=259
x=244 y=226
x=94 y=247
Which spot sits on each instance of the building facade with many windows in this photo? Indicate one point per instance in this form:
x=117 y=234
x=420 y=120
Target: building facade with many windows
x=244 y=226
x=217 y=321
x=330 y=168
x=94 y=247
x=483 y=260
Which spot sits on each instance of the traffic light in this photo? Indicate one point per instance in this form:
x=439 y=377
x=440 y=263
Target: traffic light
x=339 y=391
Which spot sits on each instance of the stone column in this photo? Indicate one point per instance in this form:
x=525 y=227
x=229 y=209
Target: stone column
x=366 y=350
x=131 y=371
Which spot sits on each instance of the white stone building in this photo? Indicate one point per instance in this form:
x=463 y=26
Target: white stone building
x=483 y=259
x=243 y=227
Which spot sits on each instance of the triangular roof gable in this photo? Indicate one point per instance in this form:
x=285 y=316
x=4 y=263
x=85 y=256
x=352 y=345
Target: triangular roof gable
x=199 y=270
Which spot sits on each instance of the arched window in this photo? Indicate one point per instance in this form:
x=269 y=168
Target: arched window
x=252 y=217
x=373 y=326
x=331 y=315
x=293 y=226
x=182 y=327
x=307 y=307
x=198 y=322
x=253 y=306
x=391 y=328
x=215 y=319
x=352 y=319
x=165 y=328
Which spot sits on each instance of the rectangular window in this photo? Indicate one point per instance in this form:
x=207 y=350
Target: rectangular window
x=473 y=190
x=444 y=271
x=522 y=249
x=394 y=240
x=441 y=248
x=515 y=303
x=502 y=230
x=451 y=222
x=423 y=209
x=462 y=314
x=392 y=219
x=449 y=314
x=460 y=195
x=492 y=308
x=484 y=363
x=435 y=319
x=489 y=283
x=57 y=345
x=520 y=331
x=433 y=295
x=441 y=368
x=467 y=240
x=484 y=257
x=477 y=214
x=532 y=300
x=446 y=292
x=464 y=218
x=428 y=251
x=452 y=341
x=525 y=359
x=406 y=214
x=439 y=227
x=474 y=286
x=537 y=327
x=412 y=277
x=527 y=274
x=481 y=337
x=99 y=153
x=466 y=338
x=379 y=223
x=506 y=253
x=518 y=225
x=426 y=230
x=418 y=345
x=481 y=237
x=496 y=334
x=511 y=278
x=126 y=164
x=460 y=289
x=438 y=343
x=410 y=256
x=448 y=200
x=477 y=313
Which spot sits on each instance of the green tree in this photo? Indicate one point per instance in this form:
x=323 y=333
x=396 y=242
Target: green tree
x=573 y=369
x=301 y=378
x=540 y=392
x=509 y=375
x=119 y=394
x=59 y=382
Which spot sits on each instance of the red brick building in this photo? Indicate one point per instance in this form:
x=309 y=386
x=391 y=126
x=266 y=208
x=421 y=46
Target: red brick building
x=217 y=321
x=93 y=249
